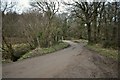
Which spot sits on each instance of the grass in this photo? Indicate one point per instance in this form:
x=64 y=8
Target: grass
x=19 y=49
x=6 y=61
x=108 y=52
x=80 y=41
x=19 y=46
x=43 y=51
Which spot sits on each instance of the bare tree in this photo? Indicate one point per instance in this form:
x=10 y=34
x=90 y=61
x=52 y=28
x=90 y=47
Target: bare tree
x=6 y=7
x=85 y=12
x=49 y=9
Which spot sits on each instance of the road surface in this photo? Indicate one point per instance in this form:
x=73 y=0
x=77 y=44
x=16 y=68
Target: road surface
x=73 y=62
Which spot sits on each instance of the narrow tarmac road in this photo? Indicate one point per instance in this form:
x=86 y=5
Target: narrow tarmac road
x=73 y=62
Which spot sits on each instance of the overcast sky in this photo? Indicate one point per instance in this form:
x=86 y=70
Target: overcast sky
x=23 y=5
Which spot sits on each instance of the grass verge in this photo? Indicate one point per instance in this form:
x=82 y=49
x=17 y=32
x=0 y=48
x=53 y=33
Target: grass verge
x=19 y=49
x=80 y=41
x=43 y=51
x=107 y=52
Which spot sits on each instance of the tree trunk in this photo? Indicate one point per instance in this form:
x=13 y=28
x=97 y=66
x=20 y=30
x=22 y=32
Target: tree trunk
x=106 y=43
x=89 y=33
x=114 y=33
x=38 y=42
x=95 y=23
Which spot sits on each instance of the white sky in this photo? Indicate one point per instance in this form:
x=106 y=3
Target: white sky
x=20 y=5
x=23 y=5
